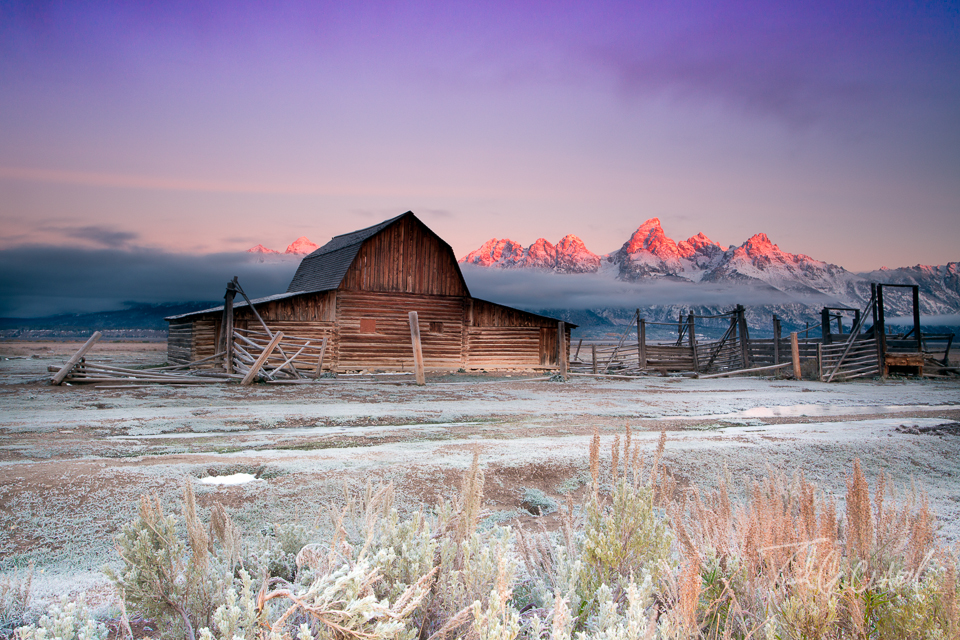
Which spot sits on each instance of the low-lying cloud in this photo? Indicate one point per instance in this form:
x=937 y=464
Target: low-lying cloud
x=45 y=280
x=547 y=290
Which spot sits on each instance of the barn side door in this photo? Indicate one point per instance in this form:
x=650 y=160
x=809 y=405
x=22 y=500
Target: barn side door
x=548 y=347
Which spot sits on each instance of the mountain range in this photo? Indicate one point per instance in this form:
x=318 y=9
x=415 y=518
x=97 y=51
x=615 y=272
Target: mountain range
x=796 y=283
x=299 y=247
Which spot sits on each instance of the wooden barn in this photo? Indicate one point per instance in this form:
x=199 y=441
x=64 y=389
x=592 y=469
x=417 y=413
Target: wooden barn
x=356 y=292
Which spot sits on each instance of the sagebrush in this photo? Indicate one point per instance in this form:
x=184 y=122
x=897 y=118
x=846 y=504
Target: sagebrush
x=637 y=558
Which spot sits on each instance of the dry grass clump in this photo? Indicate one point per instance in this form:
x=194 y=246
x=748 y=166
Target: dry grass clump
x=638 y=559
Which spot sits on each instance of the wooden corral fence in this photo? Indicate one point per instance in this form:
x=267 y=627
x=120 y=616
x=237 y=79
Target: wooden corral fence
x=685 y=354
x=838 y=353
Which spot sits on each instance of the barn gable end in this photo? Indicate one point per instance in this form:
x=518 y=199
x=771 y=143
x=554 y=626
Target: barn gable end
x=400 y=255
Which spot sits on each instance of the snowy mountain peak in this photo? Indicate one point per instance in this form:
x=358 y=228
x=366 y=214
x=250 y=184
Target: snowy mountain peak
x=260 y=249
x=650 y=237
x=495 y=253
x=570 y=255
x=302 y=246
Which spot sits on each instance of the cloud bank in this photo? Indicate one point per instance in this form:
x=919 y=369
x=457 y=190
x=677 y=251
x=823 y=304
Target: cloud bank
x=547 y=290
x=45 y=280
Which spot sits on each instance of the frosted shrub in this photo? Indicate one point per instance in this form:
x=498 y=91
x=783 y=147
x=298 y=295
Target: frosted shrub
x=622 y=539
x=238 y=618
x=275 y=554
x=14 y=599
x=342 y=604
x=66 y=621
x=176 y=583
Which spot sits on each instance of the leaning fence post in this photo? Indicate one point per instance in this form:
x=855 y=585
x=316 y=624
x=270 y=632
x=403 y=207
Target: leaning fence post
x=417 y=349
x=262 y=359
x=71 y=363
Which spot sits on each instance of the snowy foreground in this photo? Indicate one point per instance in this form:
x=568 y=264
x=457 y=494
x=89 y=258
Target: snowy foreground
x=73 y=461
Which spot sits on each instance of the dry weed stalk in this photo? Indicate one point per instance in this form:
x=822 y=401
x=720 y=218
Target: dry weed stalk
x=470 y=499
x=859 y=539
x=595 y=463
x=615 y=458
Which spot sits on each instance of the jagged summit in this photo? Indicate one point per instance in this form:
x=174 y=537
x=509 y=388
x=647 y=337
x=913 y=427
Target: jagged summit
x=570 y=255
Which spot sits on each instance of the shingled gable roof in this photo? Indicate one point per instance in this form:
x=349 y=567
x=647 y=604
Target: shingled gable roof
x=324 y=269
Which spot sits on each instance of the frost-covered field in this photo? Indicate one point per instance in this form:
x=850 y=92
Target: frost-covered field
x=73 y=460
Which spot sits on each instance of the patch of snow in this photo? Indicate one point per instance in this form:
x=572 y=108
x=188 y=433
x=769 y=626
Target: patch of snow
x=229 y=481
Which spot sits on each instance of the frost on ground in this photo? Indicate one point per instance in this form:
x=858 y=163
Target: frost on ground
x=74 y=461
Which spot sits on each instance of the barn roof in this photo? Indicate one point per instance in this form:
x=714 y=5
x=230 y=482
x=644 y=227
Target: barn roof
x=239 y=302
x=324 y=269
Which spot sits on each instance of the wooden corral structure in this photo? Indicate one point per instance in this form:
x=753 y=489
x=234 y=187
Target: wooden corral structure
x=833 y=355
x=348 y=309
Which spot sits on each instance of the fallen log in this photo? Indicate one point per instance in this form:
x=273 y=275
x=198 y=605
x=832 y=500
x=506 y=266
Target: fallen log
x=723 y=374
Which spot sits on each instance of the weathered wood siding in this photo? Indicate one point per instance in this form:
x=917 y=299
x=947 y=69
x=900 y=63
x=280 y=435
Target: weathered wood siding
x=406 y=257
x=500 y=337
x=204 y=339
x=179 y=341
x=389 y=346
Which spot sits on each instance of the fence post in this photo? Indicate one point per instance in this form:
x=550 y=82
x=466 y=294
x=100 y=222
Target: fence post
x=226 y=327
x=593 y=353
x=776 y=339
x=916 y=317
x=417 y=348
x=744 y=336
x=642 y=337
x=692 y=338
x=795 y=354
x=820 y=361
x=562 y=351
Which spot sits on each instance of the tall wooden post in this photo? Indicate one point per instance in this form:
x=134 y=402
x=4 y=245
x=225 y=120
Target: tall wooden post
x=744 y=336
x=776 y=339
x=692 y=339
x=881 y=327
x=563 y=351
x=825 y=326
x=877 y=338
x=593 y=354
x=795 y=354
x=916 y=317
x=820 y=362
x=417 y=349
x=226 y=327
x=642 y=337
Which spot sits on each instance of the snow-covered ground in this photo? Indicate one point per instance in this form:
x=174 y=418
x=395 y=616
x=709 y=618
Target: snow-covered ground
x=74 y=460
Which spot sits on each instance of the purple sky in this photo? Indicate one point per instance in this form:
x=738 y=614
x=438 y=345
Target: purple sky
x=832 y=127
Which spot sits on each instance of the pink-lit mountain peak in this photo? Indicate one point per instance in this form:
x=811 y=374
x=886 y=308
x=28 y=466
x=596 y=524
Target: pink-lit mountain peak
x=302 y=246
x=569 y=255
x=261 y=249
x=699 y=244
x=759 y=246
x=495 y=252
x=650 y=237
